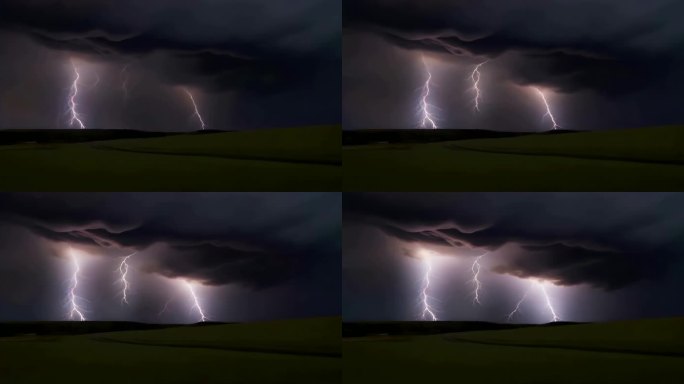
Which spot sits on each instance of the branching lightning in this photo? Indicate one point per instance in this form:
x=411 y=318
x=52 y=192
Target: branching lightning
x=547 y=299
x=428 y=312
x=428 y=119
x=542 y=288
x=194 y=104
x=476 y=279
x=548 y=108
x=475 y=76
x=76 y=310
x=123 y=269
x=196 y=301
x=76 y=117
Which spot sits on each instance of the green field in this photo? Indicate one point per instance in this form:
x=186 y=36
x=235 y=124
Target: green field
x=644 y=351
x=295 y=351
x=645 y=159
x=302 y=159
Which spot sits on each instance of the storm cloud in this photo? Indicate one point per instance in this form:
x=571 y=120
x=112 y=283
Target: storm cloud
x=257 y=240
x=595 y=56
x=278 y=58
x=608 y=241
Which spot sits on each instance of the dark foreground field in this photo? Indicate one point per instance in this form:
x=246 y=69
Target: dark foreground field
x=645 y=159
x=296 y=351
x=630 y=352
x=77 y=160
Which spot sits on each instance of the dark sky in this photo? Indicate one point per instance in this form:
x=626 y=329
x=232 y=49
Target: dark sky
x=602 y=64
x=600 y=256
x=249 y=63
x=250 y=256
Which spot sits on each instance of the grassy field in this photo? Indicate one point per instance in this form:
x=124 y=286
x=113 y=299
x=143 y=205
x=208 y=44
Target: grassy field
x=645 y=159
x=645 y=351
x=397 y=328
x=49 y=328
x=297 y=351
x=274 y=160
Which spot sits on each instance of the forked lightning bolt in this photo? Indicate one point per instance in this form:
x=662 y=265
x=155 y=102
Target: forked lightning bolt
x=476 y=279
x=475 y=76
x=76 y=117
x=542 y=289
x=548 y=300
x=428 y=120
x=548 y=108
x=196 y=301
x=123 y=269
x=76 y=310
x=194 y=104
x=428 y=312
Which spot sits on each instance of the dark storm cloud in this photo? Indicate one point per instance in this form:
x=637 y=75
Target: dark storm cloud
x=607 y=45
x=257 y=240
x=604 y=64
x=250 y=64
x=605 y=240
x=224 y=44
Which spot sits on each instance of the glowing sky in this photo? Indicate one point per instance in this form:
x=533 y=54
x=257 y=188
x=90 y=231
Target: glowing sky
x=247 y=256
x=600 y=256
x=602 y=64
x=249 y=64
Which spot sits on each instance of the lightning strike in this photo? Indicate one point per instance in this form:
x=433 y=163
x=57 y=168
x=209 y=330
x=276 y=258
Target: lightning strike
x=542 y=288
x=428 y=119
x=166 y=305
x=517 y=306
x=124 y=80
x=196 y=301
x=76 y=117
x=547 y=299
x=123 y=269
x=476 y=76
x=427 y=309
x=548 y=109
x=476 y=279
x=76 y=310
x=194 y=104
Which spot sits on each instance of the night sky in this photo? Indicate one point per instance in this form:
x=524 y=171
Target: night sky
x=602 y=64
x=599 y=256
x=249 y=256
x=248 y=63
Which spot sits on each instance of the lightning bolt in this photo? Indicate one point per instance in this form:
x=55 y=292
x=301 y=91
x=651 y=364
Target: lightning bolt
x=75 y=308
x=166 y=305
x=76 y=117
x=427 y=309
x=123 y=269
x=542 y=288
x=517 y=306
x=476 y=279
x=124 y=80
x=475 y=76
x=197 y=303
x=194 y=104
x=428 y=119
x=548 y=109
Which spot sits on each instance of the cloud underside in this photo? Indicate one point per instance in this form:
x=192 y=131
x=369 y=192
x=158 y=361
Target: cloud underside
x=611 y=47
x=605 y=241
x=250 y=46
x=255 y=240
